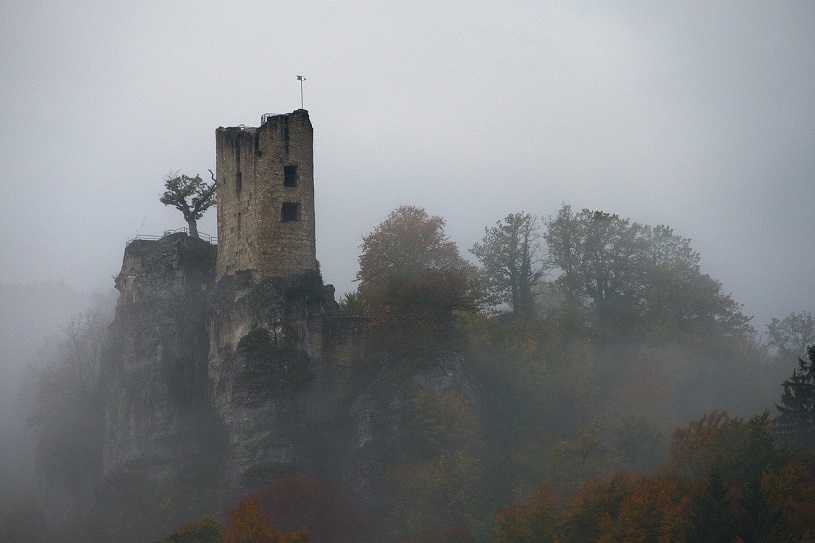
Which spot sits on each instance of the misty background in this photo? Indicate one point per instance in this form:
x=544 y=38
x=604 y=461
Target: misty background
x=694 y=114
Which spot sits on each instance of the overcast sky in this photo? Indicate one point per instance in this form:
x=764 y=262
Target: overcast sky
x=699 y=115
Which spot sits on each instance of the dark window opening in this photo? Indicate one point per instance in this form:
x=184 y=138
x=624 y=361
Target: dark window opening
x=290 y=212
x=289 y=176
x=238 y=181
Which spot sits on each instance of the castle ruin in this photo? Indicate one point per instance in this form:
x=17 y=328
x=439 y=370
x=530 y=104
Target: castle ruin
x=265 y=179
x=232 y=357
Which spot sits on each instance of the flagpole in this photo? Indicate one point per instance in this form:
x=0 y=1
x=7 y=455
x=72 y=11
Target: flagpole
x=300 y=78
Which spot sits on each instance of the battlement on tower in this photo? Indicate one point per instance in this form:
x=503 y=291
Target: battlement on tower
x=265 y=179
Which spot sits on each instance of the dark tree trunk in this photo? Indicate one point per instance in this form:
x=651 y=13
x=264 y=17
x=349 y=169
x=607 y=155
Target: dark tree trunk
x=193 y=227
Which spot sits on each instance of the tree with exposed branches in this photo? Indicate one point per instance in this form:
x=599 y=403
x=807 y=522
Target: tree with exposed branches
x=627 y=273
x=792 y=335
x=512 y=261
x=190 y=195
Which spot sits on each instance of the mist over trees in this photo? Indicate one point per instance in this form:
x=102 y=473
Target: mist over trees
x=512 y=261
x=31 y=317
x=627 y=274
x=585 y=381
x=792 y=335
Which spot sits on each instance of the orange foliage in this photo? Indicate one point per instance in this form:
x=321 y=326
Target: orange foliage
x=248 y=525
x=707 y=442
x=792 y=488
x=534 y=521
x=593 y=502
x=438 y=534
x=656 y=511
x=296 y=501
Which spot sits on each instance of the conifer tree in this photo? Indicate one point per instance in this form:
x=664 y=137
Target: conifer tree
x=797 y=419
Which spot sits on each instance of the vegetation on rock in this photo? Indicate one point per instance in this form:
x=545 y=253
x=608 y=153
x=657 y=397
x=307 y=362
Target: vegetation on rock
x=563 y=419
x=190 y=195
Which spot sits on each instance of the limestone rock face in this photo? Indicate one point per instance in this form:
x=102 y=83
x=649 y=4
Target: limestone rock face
x=265 y=349
x=265 y=374
x=157 y=412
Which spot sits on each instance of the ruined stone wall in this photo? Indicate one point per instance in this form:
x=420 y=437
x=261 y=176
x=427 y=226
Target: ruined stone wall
x=266 y=217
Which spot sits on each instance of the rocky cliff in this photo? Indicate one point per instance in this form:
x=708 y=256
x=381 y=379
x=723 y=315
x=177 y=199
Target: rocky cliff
x=157 y=412
x=263 y=377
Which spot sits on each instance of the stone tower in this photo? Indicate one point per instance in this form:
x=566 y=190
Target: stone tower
x=265 y=179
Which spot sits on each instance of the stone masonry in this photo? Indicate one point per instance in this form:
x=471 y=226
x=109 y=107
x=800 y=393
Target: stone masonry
x=265 y=179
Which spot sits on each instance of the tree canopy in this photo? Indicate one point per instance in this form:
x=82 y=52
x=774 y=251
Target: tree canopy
x=408 y=242
x=626 y=272
x=512 y=260
x=792 y=334
x=401 y=250
x=190 y=195
x=412 y=278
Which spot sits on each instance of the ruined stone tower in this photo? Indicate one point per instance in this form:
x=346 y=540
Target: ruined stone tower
x=265 y=179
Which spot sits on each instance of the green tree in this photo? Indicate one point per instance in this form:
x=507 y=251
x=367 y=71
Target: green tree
x=627 y=273
x=190 y=195
x=578 y=460
x=797 y=419
x=511 y=260
x=596 y=254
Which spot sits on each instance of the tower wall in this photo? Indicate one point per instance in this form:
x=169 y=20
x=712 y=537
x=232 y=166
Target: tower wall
x=265 y=180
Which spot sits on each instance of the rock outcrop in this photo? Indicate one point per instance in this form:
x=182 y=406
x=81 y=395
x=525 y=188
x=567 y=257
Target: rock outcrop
x=157 y=409
x=263 y=374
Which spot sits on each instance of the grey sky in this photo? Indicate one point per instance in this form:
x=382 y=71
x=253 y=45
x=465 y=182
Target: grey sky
x=699 y=115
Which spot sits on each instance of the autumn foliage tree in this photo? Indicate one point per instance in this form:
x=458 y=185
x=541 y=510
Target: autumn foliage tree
x=297 y=501
x=438 y=481
x=412 y=279
x=535 y=521
x=247 y=524
x=405 y=244
x=728 y=480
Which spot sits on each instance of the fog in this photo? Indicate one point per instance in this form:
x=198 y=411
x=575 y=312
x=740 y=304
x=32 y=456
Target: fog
x=695 y=115
x=691 y=115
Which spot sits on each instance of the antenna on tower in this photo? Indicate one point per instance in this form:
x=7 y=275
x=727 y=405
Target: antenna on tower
x=300 y=78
